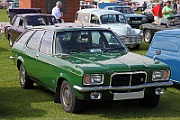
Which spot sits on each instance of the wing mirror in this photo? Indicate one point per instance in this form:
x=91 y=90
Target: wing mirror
x=158 y=52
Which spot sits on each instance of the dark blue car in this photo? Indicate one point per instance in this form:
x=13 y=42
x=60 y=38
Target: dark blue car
x=165 y=47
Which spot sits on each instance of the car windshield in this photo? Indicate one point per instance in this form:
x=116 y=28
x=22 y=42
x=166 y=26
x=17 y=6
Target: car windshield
x=40 y=20
x=125 y=10
x=112 y=18
x=87 y=41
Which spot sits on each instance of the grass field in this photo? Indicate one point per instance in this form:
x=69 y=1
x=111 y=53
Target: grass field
x=37 y=103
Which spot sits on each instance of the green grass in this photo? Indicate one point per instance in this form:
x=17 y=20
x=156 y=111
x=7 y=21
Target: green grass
x=3 y=16
x=37 y=103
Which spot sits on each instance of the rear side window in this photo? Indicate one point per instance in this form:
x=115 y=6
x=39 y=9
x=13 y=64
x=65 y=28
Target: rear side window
x=168 y=43
x=25 y=37
x=46 y=44
x=35 y=40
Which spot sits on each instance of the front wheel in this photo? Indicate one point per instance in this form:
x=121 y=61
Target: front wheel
x=69 y=101
x=147 y=36
x=25 y=81
x=150 y=102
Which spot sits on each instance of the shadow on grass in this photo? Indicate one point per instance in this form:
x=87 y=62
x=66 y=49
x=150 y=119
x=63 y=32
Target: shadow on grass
x=3 y=50
x=167 y=108
x=17 y=102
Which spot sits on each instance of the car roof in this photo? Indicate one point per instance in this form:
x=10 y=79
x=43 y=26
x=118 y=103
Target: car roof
x=118 y=6
x=172 y=31
x=70 y=26
x=99 y=11
x=33 y=14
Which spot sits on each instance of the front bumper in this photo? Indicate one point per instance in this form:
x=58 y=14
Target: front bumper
x=103 y=88
x=131 y=40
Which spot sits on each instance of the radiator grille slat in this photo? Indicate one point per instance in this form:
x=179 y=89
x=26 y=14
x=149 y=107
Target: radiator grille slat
x=128 y=79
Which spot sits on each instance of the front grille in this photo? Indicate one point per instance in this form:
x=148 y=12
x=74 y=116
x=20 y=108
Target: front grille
x=136 y=18
x=128 y=79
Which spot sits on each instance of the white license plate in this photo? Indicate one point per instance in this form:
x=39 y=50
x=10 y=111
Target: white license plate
x=138 y=21
x=130 y=95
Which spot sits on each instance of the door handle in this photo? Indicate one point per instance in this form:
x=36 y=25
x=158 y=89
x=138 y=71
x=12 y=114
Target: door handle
x=37 y=55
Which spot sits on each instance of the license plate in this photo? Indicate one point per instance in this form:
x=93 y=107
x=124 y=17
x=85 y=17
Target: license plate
x=138 y=21
x=130 y=95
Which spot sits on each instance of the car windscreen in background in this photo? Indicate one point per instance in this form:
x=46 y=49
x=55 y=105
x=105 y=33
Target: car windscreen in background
x=169 y=42
x=102 y=5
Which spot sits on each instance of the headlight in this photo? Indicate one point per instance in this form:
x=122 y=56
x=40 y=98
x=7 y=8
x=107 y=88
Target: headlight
x=93 y=79
x=128 y=19
x=160 y=75
x=144 y=18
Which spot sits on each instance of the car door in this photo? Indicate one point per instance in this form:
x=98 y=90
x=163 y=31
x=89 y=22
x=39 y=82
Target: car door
x=44 y=61
x=14 y=27
x=31 y=52
x=21 y=27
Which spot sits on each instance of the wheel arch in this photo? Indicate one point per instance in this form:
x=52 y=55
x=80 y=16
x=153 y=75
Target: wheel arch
x=20 y=61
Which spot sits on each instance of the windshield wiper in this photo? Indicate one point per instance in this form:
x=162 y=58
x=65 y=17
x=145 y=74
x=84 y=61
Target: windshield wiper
x=81 y=49
x=115 y=48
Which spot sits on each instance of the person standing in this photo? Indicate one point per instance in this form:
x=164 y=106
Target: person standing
x=144 y=6
x=168 y=10
x=57 y=12
x=175 y=5
x=157 y=12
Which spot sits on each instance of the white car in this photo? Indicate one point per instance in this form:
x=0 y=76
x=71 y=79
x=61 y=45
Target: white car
x=113 y=20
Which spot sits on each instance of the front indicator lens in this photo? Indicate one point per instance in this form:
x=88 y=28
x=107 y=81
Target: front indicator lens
x=93 y=79
x=161 y=75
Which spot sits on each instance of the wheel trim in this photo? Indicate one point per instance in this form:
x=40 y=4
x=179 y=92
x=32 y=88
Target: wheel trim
x=22 y=76
x=147 y=36
x=10 y=41
x=66 y=97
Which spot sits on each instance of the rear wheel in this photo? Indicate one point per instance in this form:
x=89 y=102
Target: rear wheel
x=25 y=81
x=69 y=101
x=147 y=36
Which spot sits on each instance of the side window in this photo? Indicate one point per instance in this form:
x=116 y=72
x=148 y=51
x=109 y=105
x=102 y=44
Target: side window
x=84 y=18
x=21 y=22
x=35 y=40
x=16 y=22
x=46 y=44
x=94 y=19
x=25 y=37
x=110 y=8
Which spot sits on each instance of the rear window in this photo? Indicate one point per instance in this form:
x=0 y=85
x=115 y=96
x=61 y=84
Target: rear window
x=169 y=42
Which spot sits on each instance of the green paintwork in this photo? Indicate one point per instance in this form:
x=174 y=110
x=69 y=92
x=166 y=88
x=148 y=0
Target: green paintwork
x=48 y=69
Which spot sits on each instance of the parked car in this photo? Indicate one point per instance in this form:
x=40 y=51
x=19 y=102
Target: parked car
x=132 y=18
x=21 y=22
x=86 y=7
x=12 y=5
x=166 y=43
x=112 y=20
x=149 y=16
x=85 y=62
x=137 y=6
x=102 y=5
x=149 y=29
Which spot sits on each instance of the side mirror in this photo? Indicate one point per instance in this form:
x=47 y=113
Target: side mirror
x=158 y=52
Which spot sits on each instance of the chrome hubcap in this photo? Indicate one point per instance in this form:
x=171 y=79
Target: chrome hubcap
x=22 y=76
x=66 y=96
x=147 y=36
x=10 y=41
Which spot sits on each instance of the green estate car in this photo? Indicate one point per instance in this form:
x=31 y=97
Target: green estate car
x=84 y=62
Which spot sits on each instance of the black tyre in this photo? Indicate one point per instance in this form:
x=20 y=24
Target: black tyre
x=150 y=102
x=137 y=46
x=69 y=101
x=147 y=36
x=11 y=41
x=25 y=81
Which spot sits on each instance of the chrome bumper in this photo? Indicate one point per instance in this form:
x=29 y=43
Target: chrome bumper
x=102 y=88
